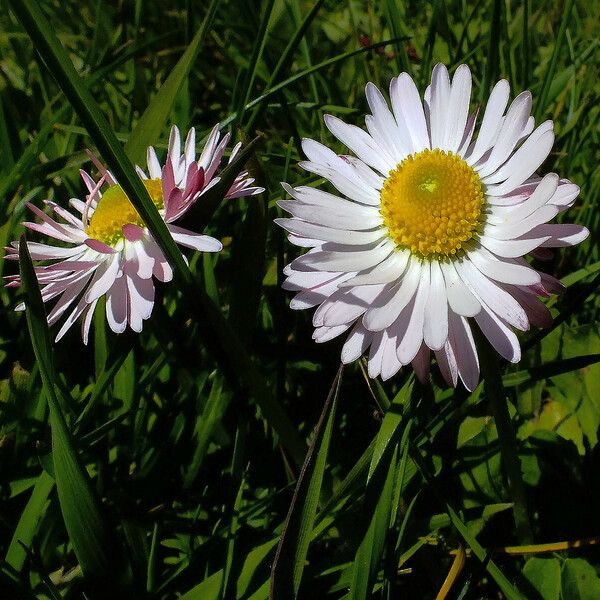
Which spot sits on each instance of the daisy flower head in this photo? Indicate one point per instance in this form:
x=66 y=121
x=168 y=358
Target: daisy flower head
x=105 y=248
x=428 y=232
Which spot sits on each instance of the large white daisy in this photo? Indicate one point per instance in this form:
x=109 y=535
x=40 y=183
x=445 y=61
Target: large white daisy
x=107 y=249
x=432 y=228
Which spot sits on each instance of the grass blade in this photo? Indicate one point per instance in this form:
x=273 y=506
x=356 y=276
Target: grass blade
x=287 y=54
x=293 y=547
x=492 y=63
x=213 y=412
x=378 y=503
x=29 y=521
x=23 y=165
x=46 y=43
x=380 y=493
x=259 y=45
x=550 y=369
x=93 y=542
x=150 y=125
x=314 y=69
x=478 y=550
x=560 y=38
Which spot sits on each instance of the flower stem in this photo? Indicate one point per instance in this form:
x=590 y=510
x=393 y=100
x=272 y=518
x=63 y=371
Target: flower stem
x=508 y=443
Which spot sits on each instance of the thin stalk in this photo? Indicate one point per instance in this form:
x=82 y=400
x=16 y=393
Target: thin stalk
x=508 y=442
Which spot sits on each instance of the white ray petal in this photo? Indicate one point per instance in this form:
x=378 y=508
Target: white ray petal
x=328 y=234
x=413 y=335
x=492 y=119
x=503 y=340
x=512 y=127
x=458 y=108
x=435 y=329
x=499 y=270
x=460 y=297
x=497 y=299
x=440 y=97
x=408 y=108
x=387 y=271
x=384 y=313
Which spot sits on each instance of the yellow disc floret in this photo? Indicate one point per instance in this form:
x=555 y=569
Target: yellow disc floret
x=115 y=210
x=432 y=204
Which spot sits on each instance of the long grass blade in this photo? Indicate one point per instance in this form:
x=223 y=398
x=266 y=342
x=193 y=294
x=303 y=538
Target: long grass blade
x=288 y=565
x=551 y=70
x=94 y=543
x=46 y=43
x=151 y=123
x=29 y=521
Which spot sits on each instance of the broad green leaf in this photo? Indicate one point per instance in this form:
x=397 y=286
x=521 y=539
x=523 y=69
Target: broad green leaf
x=544 y=576
x=578 y=389
x=151 y=123
x=579 y=580
x=293 y=547
x=93 y=541
x=470 y=428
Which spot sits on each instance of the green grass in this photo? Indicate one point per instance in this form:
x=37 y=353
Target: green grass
x=173 y=460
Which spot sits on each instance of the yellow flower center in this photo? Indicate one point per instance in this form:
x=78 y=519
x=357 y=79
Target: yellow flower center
x=115 y=210
x=432 y=204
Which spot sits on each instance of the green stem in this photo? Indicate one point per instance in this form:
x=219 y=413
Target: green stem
x=508 y=442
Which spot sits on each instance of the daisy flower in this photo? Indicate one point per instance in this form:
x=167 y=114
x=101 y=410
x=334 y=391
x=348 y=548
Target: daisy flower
x=107 y=249
x=430 y=228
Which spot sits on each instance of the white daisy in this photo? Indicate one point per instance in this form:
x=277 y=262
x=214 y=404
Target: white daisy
x=431 y=230
x=109 y=250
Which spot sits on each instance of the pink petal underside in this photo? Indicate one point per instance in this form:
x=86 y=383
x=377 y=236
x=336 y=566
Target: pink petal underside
x=65 y=214
x=192 y=179
x=68 y=265
x=216 y=158
x=101 y=168
x=99 y=246
x=65 y=301
x=421 y=363
x=132 y=232
x=77 y=311
x=173 y=204
x=168 y=181
x=65 y=230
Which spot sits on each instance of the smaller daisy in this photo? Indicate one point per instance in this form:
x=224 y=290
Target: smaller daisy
x=108 y=249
